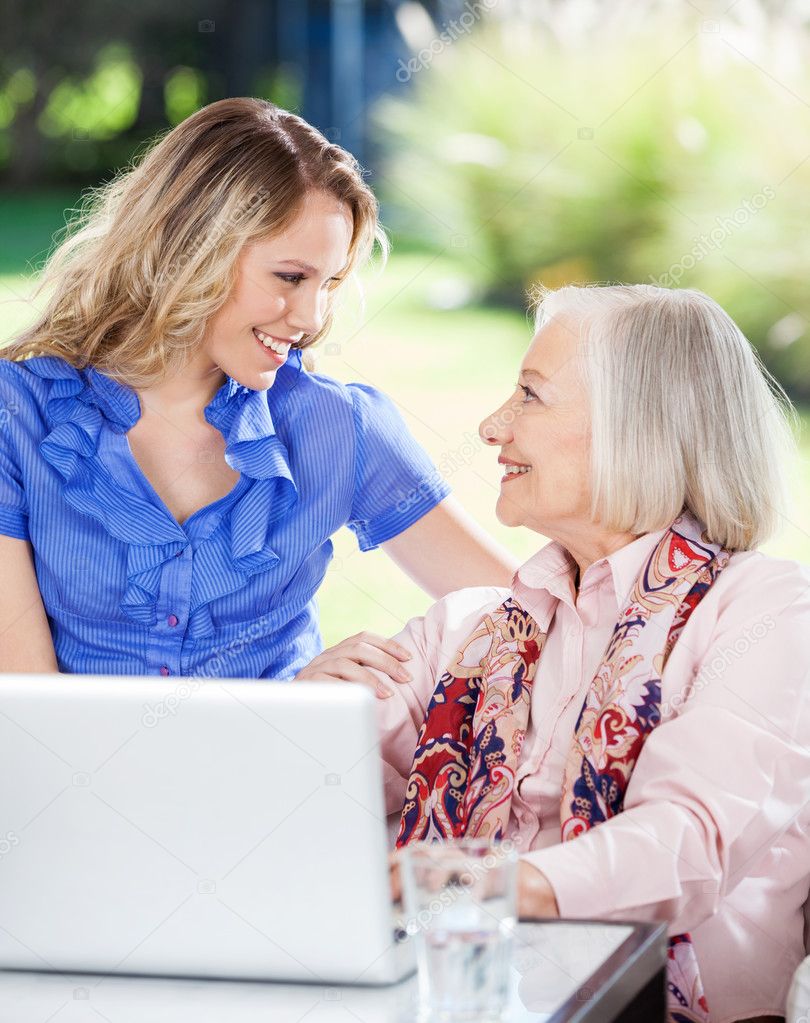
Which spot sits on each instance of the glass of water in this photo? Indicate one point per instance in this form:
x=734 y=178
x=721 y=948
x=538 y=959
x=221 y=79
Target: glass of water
x=459 y=901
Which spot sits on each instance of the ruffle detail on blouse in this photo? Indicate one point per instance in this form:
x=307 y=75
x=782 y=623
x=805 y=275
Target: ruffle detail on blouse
x=78 y=404
x=253 y=449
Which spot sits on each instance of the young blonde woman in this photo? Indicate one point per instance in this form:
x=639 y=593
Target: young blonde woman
x=170 y=474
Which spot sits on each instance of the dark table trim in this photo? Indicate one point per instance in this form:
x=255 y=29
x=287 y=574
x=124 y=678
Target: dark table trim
x=629 y=986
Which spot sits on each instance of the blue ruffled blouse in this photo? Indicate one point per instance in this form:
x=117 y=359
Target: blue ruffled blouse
x=230 y=593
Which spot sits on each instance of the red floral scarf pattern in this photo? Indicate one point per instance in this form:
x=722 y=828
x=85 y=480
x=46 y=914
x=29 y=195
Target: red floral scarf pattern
x=469 y=745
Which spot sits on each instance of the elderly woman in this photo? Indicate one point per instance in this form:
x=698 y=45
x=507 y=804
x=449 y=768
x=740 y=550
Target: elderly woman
x=633 y=712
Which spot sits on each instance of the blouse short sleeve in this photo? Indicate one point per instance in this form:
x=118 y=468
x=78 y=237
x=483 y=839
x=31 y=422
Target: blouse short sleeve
x=13 y=503
x=395 y=482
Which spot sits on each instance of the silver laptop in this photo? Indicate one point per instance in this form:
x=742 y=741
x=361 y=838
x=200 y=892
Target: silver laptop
x=194 y=828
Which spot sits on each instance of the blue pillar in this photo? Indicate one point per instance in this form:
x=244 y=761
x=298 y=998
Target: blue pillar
x=347 y=74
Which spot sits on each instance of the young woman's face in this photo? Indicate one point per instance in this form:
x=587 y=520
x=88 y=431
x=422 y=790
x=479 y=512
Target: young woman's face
x=281 y=292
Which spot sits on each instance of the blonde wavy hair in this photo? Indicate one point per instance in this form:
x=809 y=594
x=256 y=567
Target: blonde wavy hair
x=683 y=413
x=153 y=255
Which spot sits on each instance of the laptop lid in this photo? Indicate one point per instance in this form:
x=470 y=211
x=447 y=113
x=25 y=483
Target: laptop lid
x=193 y=828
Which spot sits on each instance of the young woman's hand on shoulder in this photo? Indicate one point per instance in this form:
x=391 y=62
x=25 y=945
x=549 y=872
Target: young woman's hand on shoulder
x=352 y=659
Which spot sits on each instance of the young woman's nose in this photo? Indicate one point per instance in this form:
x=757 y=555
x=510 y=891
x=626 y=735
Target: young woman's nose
x=306 y=311
x=495 y=429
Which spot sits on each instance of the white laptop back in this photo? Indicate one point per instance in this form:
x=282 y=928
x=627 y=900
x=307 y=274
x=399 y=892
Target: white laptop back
x=182 y=827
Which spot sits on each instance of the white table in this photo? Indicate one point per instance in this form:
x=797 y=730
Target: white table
x=562 y=972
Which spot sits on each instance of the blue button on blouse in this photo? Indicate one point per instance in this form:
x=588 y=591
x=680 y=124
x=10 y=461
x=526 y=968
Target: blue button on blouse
x=230 y=593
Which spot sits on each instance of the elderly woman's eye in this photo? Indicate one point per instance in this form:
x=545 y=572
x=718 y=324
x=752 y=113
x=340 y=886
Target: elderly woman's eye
x=528 y=393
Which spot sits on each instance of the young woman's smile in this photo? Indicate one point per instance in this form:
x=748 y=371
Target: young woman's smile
x=276 y=348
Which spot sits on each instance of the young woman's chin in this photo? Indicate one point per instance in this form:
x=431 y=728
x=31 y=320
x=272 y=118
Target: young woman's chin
x=255 y=380
x=258 y=373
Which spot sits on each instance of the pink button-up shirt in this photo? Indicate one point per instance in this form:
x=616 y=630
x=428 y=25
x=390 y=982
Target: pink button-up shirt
x=715 y=833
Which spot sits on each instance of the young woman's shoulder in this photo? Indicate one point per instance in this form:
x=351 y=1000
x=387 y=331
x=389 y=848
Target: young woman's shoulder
x=34 y=378
x=375 y=416
x=356 y=427
x=319 y=387
x=15 y=375
x=25 y=388
x=321 y=403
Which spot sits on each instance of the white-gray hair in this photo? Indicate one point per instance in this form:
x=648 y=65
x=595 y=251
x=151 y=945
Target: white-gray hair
x=683 y=413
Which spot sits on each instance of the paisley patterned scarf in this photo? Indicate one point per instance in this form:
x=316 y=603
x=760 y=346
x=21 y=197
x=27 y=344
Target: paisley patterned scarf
x=468 y=748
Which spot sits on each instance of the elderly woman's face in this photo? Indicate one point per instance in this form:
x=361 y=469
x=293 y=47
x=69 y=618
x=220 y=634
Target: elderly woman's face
x=543 y=430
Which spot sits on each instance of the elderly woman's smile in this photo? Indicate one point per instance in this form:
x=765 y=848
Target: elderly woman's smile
x=512 y=470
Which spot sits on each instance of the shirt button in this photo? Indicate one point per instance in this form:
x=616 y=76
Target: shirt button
x=172 y=620
x=164 y=670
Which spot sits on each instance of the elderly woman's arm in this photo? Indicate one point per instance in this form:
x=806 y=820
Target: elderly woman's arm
x=715 y=790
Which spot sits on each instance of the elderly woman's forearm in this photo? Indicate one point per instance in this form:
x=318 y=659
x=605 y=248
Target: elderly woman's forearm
x=687 y=836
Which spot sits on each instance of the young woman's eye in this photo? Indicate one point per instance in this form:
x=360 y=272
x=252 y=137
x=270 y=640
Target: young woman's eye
x=290 y=278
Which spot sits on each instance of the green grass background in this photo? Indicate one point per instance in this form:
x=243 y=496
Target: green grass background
x=445 y=369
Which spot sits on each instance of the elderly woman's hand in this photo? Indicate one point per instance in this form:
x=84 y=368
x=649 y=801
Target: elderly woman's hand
x=535 y=896
x=351 y=659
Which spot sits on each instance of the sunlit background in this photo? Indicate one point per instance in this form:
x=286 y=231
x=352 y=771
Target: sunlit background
x=510 y=143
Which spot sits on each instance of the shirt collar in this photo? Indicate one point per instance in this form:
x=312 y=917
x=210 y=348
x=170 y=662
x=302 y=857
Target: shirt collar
x=121 y=406
x=553 y=570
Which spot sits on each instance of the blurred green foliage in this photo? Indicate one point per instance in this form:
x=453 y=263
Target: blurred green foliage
x=657 y=149
x=18 y=89
x=100 y=106
x=80 y=94
x=185 y=91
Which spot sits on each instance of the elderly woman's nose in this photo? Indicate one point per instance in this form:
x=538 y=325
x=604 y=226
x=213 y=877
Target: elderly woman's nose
x=494 y=429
